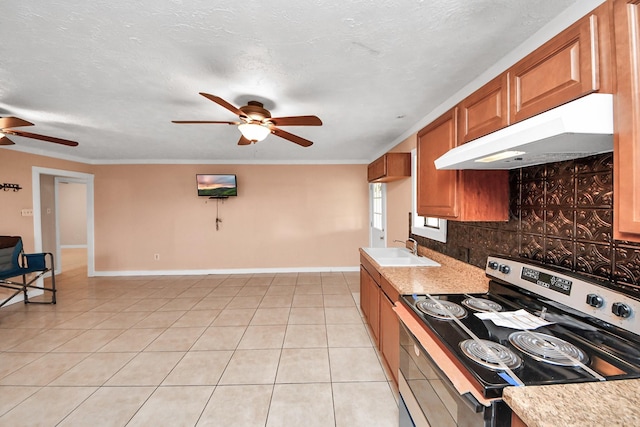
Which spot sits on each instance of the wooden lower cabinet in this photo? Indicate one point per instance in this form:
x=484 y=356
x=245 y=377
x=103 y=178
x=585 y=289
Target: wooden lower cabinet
x=364 y=291
x=389 y=335
x=370 y=302
x=374 y=310
x=516 y=421
x=377 y=307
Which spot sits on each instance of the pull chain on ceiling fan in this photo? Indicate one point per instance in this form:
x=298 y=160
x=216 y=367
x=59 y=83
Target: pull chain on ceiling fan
x=11 y=122
x=255 y=122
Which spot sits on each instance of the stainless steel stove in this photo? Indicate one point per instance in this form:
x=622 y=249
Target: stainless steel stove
x=537 y=325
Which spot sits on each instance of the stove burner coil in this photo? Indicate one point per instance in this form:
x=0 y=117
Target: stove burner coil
x=498 y=353
x=547 y=348
x=482 y=305
x=432 y=309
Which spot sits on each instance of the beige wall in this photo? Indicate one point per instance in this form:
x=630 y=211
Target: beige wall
x=399 y=200
x=286 y=216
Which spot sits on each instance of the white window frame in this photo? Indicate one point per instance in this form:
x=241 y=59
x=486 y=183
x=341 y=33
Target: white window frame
x=383 y=229
x=438 y=232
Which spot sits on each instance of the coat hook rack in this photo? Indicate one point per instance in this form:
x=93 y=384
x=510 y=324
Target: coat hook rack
x=7 y=187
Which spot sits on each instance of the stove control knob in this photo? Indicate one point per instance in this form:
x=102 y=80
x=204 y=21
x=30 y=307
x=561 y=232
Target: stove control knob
x=621 y=309
x=493 y=265
x=504 y=269
x=595 y=300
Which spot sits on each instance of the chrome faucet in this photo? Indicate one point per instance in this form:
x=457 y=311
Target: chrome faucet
x=414 y=245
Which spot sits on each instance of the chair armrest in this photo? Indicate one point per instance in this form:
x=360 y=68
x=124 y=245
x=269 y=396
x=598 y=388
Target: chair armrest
x=36 y=261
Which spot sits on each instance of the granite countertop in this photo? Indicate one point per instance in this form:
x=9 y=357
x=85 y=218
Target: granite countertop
x=452 y=277
x=610 y=403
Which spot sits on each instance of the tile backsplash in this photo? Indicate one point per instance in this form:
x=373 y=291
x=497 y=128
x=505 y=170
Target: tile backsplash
x=560 y=214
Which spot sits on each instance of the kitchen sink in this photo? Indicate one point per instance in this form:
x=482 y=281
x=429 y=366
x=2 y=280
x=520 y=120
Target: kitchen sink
x=398 y=257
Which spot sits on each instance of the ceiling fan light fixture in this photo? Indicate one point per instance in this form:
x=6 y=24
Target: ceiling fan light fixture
x=254 y=132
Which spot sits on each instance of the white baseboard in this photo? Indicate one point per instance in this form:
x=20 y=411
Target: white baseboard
x=227 y=271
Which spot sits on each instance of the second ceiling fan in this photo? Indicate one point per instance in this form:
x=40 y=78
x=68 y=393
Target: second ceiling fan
x=255 y=122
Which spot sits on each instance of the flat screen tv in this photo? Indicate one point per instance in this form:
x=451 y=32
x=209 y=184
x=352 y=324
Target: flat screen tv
x=217 y=185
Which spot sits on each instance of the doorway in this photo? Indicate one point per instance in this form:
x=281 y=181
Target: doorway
x=378 y=215
x=71 y=220
x=44 y=233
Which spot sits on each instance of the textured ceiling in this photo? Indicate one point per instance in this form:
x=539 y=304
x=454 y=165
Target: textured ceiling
x=112 y=74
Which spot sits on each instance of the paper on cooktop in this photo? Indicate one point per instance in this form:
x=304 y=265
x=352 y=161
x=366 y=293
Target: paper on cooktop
x=521 y=319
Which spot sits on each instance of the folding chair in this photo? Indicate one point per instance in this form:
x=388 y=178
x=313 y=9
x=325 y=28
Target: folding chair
x=14 y=263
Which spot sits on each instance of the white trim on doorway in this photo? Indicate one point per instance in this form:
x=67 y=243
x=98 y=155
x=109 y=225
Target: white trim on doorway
x=79 y=177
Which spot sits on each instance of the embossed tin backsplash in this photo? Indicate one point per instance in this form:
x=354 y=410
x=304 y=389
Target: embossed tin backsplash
x=560 y=214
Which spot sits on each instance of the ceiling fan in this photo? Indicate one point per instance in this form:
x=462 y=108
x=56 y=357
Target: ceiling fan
x=255 y=122
x=11 y=122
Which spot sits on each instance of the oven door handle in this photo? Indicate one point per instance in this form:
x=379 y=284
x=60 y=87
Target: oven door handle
x=471 y=402
x=468 y=398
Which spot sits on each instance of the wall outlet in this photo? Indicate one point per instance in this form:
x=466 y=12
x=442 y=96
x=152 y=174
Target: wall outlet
x=27 y=212
x=156 y=257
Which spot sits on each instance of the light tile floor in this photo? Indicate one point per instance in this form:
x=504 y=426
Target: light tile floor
x=217 y=350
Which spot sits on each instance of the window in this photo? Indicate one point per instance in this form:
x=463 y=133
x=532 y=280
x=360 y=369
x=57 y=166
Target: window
x=431 y=228
x=377 y=214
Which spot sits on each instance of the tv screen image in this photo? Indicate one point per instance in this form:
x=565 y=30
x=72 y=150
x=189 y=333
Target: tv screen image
x=217 y=185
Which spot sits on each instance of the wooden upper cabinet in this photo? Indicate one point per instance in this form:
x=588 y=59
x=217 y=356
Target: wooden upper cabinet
x=484 y=111
x=574 y=63
x=437 y=189
x=626 y=151
x=390 y=167
x=462 y=195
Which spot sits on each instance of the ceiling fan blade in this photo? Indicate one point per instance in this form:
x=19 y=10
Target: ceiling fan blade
x=195 y=122
x=244 y=141
x=6 y=141
x=13 y=122
x=42 y=137
x=291 y=137
x=224 y=104
x=296 y=121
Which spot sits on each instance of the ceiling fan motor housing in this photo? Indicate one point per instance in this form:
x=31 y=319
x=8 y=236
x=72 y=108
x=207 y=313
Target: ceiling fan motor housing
x=256 y=111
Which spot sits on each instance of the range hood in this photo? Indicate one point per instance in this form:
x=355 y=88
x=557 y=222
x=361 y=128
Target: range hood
x=580 y=128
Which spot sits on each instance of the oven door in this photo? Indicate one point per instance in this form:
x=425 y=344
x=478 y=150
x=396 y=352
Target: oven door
x=432 y=400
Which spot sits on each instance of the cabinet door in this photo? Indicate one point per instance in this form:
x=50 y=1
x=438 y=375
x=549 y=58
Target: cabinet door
x=561 y=70
x=377 y=169
x=389 y=335
x=390 y=167
x=364 y=291
x=437 y=189
x=484 y=111
x=374 y=310
x=626 y=152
